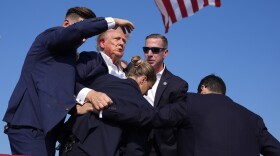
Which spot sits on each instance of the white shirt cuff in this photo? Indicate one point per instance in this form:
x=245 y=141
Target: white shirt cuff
x=111 y=23
x=100 y=114
x=82 y=95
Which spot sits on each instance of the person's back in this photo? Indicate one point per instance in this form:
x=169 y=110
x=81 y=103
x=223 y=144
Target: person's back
x=217 y=126
x=101 y=137
x=212 y=124
x=220 y=127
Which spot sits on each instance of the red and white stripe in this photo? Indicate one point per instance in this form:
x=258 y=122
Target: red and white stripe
x=174 y=10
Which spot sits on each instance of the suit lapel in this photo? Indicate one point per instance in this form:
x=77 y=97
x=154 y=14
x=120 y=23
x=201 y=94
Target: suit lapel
x=161 y=86
x=103 y=62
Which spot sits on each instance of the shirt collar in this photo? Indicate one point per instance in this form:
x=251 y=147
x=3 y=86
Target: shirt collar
x=113 y=69
x=159 y=74
x=109 y=61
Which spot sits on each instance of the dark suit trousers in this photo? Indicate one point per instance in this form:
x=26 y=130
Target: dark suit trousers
x=28 y=140
x=31 y=141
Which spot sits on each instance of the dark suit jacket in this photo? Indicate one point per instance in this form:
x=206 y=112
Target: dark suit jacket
x=171 y=89
x=129 y=107
x=45 y=91
x=214 y=125
x=89 y=66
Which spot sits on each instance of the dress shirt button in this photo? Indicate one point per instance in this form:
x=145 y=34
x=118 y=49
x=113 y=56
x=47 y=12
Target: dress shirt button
x=79 y=100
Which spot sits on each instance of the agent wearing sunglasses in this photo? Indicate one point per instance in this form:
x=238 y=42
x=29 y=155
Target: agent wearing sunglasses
x=168 y=88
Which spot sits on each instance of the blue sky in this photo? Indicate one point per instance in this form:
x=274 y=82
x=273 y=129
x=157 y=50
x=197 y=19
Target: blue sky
x=239 y=42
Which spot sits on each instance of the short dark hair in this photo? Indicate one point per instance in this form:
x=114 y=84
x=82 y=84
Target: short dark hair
x=213 y=83
x=82 y=12
x=163 y=38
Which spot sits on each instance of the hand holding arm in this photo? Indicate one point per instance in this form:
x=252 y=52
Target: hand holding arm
x=83 y=109
x=98 y=100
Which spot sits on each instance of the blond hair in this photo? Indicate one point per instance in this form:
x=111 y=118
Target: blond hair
x=141 y=68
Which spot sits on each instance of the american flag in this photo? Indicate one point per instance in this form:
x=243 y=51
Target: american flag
x=174 y=10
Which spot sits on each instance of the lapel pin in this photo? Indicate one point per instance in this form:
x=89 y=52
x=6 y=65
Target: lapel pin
x=165 y=83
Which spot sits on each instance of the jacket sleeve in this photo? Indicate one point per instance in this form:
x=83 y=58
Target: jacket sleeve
x=69 y=38
x=89 y=66
x=170 y=115
x=136 y=112
x=269 y=145
x=146 y=115
x=180 y=92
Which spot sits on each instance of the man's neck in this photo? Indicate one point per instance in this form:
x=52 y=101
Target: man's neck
x=160 y=68
x=113 y=58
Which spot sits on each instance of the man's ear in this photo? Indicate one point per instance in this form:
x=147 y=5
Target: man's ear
x=202 y=88
x=66 y=23
x=165 y=53
x=101 y=43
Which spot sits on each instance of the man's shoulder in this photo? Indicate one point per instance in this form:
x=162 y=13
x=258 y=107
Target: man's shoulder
x=175 y=83
x=45 y=32
x=210 y=98
x=171 y=75
x=245 y=110
x=54 y=28
x=89 y=55
x=92 y=58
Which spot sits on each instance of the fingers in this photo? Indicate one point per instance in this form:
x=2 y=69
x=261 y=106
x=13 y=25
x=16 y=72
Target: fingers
x=125 y=29
x=82 y=109
x=129 y=25
x=126 y=25
x=79 y=109
x=99 y=100
x=88 y=107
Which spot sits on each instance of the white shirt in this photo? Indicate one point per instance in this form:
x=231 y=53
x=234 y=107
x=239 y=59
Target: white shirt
x=152 y=92
x=115 y=70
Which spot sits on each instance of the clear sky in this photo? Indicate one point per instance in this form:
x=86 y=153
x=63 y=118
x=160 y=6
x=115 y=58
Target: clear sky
x=239 y=42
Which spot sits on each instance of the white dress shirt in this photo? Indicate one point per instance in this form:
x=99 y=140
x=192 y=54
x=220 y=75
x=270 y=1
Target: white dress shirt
x=150 y=97
x=115 y=70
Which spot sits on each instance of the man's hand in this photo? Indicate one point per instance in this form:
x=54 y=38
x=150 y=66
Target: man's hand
x=83 y=109
x=125 y=24
x=98 y=100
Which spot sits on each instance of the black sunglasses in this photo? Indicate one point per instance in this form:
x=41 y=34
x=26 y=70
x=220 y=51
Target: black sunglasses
x=155 y=50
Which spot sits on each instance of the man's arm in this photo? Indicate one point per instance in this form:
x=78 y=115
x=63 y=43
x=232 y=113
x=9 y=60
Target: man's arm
x=67 y=39
x=170 y=115
x=181 y=90
x=166 y=116
x=83 y=109
x=269 y=145
x=89 y=66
